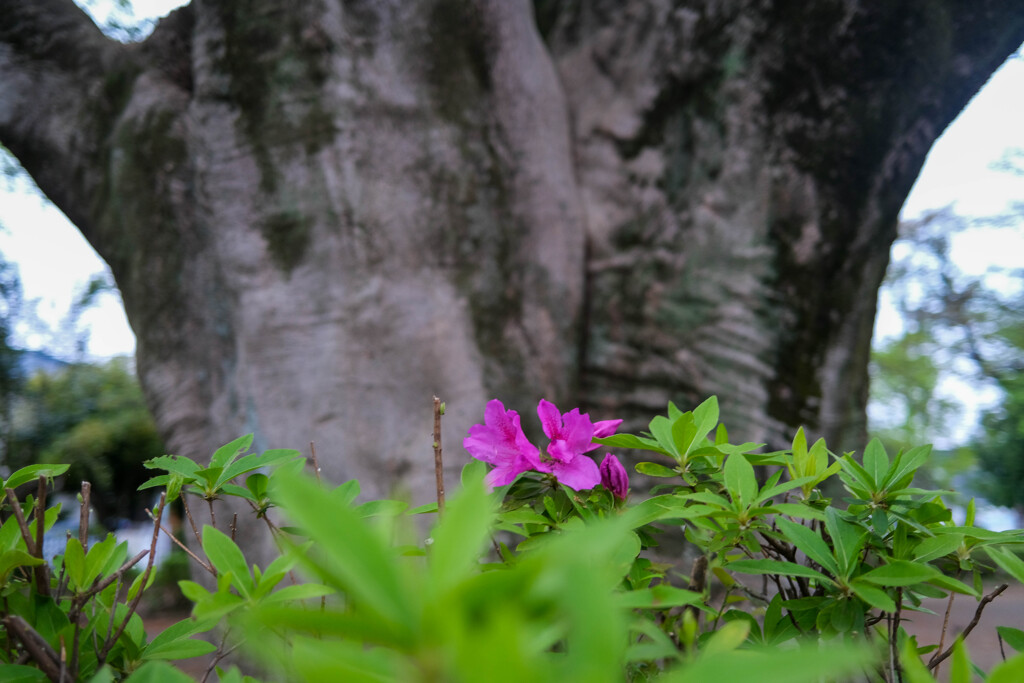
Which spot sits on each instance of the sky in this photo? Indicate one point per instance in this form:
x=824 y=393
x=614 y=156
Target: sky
x=957 y=171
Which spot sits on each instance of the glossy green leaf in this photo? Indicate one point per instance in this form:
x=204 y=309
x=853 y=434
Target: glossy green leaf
x=632 y=442
x=661 y=596
x=460 y=534
x=876 y=462
x=229 y=451
x=1010 y=671
x=158 y=672
x=1008 y=561
x=1014 y=637
x=98 y=558
x=226 y=557
x=937 y=546
x=847 y=539
x=960 y=665
x=357 y=561
x=900 y=573
x=776 y=567
x=810 y=543
x=12 y=559
x=798 y=665
x=31 y=473
x=905 y=466
x=740 y=479
x=19 y=673
x=873 y=596
x=662 y=430
x=74 y=563
x=653 y=469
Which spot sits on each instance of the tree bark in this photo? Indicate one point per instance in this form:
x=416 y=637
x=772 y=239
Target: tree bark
x=322 y=214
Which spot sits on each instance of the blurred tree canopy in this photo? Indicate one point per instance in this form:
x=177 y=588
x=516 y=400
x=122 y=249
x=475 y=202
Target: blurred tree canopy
x=960 y=327
x=93 y=417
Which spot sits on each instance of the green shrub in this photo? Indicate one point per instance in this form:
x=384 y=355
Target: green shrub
x=549 y=577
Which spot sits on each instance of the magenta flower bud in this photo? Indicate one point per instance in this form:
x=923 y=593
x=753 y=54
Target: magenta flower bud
x=614 y=477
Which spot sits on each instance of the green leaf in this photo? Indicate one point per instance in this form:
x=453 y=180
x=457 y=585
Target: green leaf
x=176 y=632
x=664 y=431
x=179 y=649
x=951 y=584
x=98 y=557
x=632 y=442
x=875 y=597
x=459 y=536
x=303 y=591
x=705 y=417
x=175 y=464
x=661 y=596
x=740 y=479
x=228 y=452
x=848 y=539
x=937 y=546
x=226 y=557
x=1014 y=637
x=347 y=493
x=424 y=509
x=906 y=465
x=776 y=567
x=33 y=472
x=357 y=561
x=960 y=669
x=11 y=559
x=19 y=673
x=1010 y=671
x=74 y=563
x=810 y=543
x=1008 y=561
x=900 y=573
x=158 y=672
x=798 y=665
x=876 y=462
x=653 y=469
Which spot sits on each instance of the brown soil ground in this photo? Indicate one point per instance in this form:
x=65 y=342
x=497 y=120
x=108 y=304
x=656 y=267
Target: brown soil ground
x=982 y=644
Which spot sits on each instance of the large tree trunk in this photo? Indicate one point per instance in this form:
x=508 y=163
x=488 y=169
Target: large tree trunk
x=320 y=214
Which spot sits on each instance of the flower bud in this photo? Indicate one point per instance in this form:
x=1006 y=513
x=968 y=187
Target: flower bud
x=614 y=477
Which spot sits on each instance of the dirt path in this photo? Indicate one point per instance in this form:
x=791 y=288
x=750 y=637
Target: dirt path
x=982 y=644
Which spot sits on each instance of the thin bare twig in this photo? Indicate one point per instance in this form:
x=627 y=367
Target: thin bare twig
x=184 y=547
x=192 y=522
x=213 y=515
x=35 y=645
x=939 y=658
x=142 y=584
x=26 y=535
x=234 y=525
x=945 y=625
x=316 y=463
x=83 y=517
x=893 y=633
x=438 y=463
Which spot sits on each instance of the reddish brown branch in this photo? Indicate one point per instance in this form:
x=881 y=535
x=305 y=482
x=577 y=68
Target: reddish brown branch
x=939 y=658
x=438 y=462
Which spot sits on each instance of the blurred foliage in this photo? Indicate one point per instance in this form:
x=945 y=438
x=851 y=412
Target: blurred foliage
x=93 y=417
x=961 y=333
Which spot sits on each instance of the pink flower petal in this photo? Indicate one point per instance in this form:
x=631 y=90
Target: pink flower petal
x=604 y=428
x=580 y=474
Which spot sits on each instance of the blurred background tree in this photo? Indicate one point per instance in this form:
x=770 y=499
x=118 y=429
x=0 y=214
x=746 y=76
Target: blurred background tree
x=92 y=416
x=962 y=340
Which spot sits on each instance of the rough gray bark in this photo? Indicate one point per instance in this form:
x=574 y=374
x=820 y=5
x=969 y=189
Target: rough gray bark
x=320 y=214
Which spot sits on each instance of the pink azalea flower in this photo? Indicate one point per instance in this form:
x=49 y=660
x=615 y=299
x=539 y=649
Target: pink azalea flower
x=501 y=442
x=614 y=477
